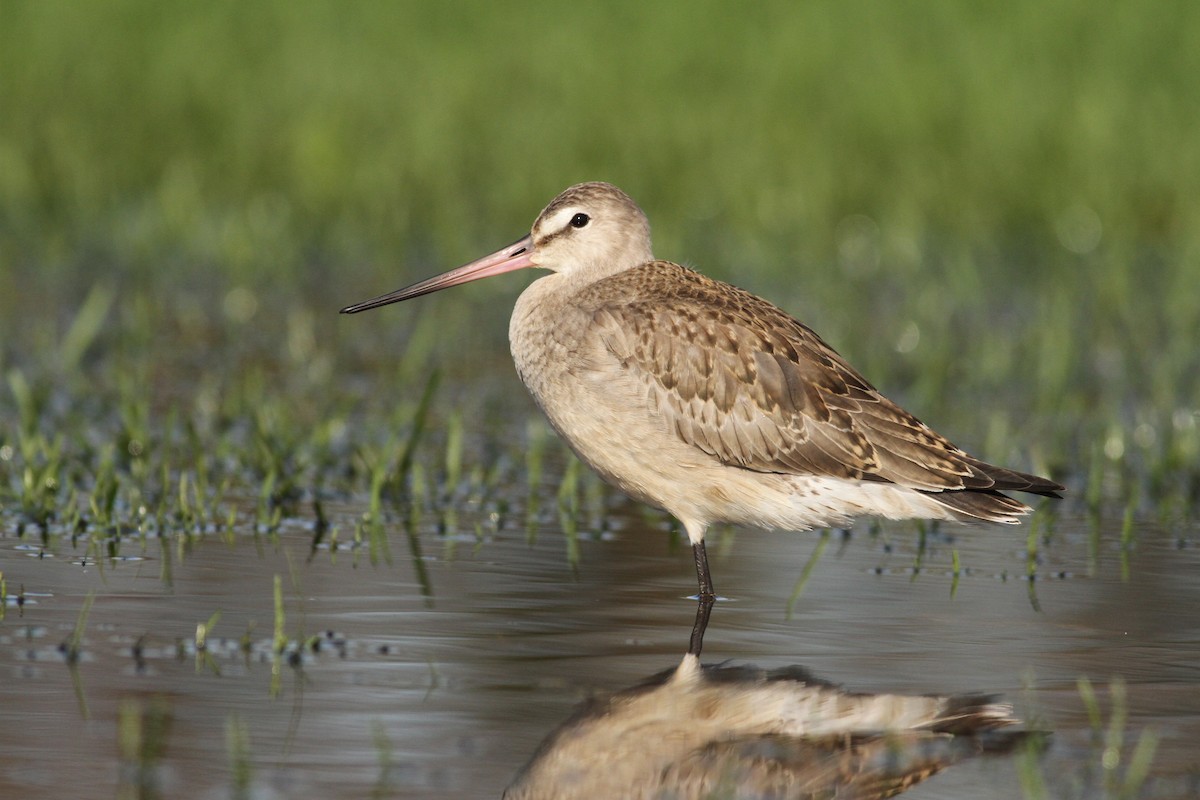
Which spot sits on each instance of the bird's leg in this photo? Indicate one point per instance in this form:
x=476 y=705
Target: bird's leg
x=705 y=598
x=702 y=574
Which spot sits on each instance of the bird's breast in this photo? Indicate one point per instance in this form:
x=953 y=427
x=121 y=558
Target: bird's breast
x=554 y=349
x=586 y=393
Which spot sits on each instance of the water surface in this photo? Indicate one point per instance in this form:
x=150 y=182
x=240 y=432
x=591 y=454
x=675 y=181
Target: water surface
x=441 y=682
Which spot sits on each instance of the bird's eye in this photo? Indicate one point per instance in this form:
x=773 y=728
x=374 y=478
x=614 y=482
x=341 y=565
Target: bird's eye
x=579 y=220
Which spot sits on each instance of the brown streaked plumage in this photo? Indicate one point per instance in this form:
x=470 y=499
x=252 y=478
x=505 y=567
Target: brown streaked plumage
x=697 y=397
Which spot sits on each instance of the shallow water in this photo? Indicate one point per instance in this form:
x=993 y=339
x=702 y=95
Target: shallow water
x=447 y=695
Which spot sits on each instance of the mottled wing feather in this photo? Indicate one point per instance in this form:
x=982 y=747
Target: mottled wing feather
x=741 y=380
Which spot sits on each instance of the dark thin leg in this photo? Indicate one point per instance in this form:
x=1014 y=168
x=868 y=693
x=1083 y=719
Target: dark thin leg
x=706 y=585
x=705 y=599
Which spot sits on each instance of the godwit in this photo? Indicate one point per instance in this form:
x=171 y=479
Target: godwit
x=701 y=399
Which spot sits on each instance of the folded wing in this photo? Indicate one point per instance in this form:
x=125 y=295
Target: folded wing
x=741 y=380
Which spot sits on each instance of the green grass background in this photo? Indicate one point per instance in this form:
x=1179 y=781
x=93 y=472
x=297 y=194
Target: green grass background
x=990 y=207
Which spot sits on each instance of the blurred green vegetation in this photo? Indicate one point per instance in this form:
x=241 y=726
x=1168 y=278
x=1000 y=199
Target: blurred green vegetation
x=253 y=134
x=989 y=207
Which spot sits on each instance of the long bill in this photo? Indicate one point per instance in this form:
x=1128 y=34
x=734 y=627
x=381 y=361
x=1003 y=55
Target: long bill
x=517 y=255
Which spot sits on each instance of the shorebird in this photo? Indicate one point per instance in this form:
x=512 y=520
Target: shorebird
x=702 y=399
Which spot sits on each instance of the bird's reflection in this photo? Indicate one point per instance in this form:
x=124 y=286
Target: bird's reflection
x=736 y=731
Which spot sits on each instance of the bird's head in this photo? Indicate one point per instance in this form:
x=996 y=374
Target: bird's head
x=589 y=231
